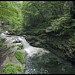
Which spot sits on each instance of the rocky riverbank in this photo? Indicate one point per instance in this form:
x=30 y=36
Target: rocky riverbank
x=11 y=53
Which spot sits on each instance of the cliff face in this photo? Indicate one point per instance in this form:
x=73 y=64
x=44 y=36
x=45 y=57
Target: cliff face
x=3 y=51
x=57 y=37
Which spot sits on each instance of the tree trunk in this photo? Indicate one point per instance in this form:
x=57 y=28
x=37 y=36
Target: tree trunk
x=72 y=10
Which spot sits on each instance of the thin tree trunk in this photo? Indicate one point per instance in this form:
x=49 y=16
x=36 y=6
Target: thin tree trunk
x=40 y=12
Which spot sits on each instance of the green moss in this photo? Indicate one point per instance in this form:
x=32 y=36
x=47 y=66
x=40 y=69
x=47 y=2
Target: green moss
x=11 y=68
x=20 y=56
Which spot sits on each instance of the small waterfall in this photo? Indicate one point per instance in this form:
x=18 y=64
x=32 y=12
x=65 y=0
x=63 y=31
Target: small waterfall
x=28 y=48
x=24 y=42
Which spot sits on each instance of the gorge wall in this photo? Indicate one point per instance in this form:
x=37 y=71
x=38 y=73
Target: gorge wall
x=59 y=39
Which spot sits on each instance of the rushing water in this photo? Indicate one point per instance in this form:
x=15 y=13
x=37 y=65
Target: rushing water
x=33 y=53
x=40 y=61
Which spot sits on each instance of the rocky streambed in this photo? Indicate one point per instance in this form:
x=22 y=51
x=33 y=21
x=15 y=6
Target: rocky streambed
x=37 y=60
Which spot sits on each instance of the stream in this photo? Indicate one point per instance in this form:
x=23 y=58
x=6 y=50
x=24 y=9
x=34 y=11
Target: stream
x=41 y=61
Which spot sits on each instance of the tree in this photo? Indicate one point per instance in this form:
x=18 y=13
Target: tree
x=40 y=14
x=10 y=11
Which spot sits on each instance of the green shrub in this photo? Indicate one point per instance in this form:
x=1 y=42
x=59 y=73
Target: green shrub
x=61 y=23
x=11 y=68
x=20 y=56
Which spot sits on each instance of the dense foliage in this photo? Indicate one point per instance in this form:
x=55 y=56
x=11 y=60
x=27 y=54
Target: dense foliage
x=40 y=14
x=50 y=24
x=30 y=15
x=48 y=16
x=10 y=11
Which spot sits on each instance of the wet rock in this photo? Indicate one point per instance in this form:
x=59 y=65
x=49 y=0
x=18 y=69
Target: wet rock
x=8 y=46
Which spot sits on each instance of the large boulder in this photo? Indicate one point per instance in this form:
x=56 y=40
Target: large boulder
x=11 y=51
x=3 y=51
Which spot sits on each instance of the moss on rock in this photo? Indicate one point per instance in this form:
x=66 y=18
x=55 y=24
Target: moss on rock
x=20 y=56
